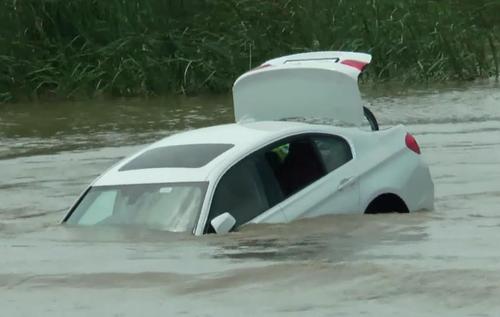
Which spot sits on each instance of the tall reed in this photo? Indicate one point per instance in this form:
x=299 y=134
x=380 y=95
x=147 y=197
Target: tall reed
x=74 y=48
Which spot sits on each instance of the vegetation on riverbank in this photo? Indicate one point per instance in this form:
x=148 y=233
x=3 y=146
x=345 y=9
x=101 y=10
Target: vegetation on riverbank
x=75 y=48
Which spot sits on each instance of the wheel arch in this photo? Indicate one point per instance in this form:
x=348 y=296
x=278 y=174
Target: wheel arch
x=385 y=203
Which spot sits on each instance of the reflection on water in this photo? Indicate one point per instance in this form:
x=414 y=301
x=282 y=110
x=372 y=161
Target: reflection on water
x=431 y=263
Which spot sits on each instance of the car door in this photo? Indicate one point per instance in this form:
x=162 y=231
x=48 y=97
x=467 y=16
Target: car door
x=300 y=176
x=246 y=190
x=316 y=175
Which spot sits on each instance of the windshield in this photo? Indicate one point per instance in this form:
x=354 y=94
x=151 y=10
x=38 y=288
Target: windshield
x=171 y=207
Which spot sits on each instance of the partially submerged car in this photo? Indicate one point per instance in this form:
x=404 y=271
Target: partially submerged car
x=263 y=169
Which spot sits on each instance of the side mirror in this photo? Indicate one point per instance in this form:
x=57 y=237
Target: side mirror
x=223 y=223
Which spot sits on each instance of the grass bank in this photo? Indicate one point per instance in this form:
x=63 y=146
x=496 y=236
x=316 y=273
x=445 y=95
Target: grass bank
x=76 y=48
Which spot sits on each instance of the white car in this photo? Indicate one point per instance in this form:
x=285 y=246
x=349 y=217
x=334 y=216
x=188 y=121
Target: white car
x=265 y=170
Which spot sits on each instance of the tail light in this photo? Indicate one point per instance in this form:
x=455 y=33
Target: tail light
x=356 y=64
x=411 y=143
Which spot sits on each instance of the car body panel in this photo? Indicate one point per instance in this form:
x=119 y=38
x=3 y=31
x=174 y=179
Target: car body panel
x=387 y=166
x=411 y=181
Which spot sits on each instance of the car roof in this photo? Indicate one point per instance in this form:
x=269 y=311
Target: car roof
x=239 y=134
x=246 y=137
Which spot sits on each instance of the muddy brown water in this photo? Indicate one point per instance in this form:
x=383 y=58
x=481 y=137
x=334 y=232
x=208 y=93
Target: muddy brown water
x=445 y=262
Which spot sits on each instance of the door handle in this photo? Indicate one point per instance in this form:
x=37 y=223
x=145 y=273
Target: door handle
x=346 y=182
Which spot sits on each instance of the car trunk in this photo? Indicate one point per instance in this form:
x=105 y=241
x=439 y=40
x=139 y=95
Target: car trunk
x=312 y=86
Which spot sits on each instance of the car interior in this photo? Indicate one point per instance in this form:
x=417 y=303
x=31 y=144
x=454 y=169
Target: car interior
x=300 y=167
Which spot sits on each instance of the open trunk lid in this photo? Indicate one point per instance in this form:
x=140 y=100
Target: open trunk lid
x=310 y=85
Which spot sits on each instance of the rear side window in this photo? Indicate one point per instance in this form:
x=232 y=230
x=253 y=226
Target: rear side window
x=334 y=151
x=300 y=161
x=295 y=164
x=177 y=156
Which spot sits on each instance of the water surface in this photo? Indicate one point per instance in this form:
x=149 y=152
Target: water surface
x=429 y=263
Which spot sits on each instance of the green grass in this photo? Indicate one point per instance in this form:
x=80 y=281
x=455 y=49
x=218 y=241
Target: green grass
x=79 y=48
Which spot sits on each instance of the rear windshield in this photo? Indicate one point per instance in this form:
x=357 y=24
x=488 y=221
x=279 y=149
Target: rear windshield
x=177 y=156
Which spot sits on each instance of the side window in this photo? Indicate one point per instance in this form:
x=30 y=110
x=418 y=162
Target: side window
x=240 y=192
x=295 y=164
x=334 y=151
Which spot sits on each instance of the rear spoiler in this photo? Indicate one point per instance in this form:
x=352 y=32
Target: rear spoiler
x=357 y=61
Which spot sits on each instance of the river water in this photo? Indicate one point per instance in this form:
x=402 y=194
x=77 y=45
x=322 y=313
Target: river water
x=444 y=262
